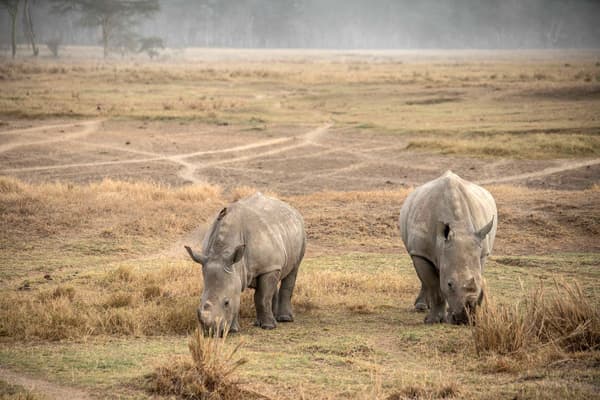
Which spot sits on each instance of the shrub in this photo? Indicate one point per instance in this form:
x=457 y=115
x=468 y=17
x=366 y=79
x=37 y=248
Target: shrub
x=209 y=373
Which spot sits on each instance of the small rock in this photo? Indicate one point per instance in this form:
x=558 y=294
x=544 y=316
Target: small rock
x=47 y=277
x=128 y=143
x=388 y=182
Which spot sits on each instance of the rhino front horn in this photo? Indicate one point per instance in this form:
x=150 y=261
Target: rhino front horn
x=199 y=258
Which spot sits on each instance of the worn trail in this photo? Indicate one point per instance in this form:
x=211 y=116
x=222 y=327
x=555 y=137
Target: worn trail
x=48 y=389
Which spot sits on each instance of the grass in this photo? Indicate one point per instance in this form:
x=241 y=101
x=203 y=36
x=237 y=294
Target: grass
x=437 y=99
x=528 y=146
x=96 y=291
x=561 y=316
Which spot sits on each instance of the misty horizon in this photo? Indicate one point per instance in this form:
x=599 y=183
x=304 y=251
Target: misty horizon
x=339 y=24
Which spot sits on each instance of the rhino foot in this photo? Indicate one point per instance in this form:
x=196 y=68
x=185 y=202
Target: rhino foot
x=434 y=319
x=421 y=307
x=285 y=318
x=266 y=324
x=269 y=326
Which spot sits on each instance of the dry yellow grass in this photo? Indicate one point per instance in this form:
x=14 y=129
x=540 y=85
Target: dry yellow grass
x=562 y=316
x=209 y=374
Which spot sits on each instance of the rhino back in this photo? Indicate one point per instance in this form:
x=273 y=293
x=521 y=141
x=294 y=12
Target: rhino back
x=448 y=199
x=272 y=231
x=274 y=235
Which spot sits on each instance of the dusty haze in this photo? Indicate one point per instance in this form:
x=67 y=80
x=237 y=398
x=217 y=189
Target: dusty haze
x=381 y=24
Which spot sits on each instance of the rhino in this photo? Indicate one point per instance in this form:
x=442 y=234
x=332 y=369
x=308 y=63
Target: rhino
x=448 y=226
x=257 y=242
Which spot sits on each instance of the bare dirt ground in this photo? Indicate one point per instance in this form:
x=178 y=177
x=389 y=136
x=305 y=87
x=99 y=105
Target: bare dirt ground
x=285 y=159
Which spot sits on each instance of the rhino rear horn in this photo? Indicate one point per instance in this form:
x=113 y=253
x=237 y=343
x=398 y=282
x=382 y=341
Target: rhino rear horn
x=482 y=233
x=199 y=258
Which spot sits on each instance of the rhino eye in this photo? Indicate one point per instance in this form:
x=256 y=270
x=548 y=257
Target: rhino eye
x=226 y=303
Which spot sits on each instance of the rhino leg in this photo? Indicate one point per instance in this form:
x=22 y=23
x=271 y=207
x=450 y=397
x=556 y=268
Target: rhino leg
x=421 y=301
x=284 y=312
x=430 y=281
x=266 y=286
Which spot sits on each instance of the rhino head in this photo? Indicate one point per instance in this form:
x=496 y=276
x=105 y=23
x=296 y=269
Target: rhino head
x=461 y=260
x=220 y=302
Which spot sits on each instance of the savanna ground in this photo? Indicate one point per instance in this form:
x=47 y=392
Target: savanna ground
x=108 y=168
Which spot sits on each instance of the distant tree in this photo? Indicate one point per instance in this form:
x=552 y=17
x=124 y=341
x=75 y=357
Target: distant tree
x=124 y=40
x=53 y=45
x=110 y=15
x=28 y=24
x=12 y=6
x=150 y=46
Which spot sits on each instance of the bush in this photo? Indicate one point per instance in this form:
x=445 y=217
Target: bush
x=208 y=374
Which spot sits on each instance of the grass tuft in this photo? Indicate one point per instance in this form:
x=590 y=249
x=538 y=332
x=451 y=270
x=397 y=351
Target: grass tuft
x=208 y=375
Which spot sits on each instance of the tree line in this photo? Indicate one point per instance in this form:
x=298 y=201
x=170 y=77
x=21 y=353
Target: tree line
x=128 y=25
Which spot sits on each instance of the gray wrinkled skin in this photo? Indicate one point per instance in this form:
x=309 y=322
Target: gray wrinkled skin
x=256 y=242
x=448 y=226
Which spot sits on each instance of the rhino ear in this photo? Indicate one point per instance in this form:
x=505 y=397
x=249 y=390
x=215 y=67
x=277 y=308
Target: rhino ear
x=199 y=258
x=483 y=232
x=444 y=230
x=238 y=253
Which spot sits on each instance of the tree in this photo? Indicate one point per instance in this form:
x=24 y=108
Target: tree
x=151 y=45
x=12 y=6
x=28 y=23
x=112 y=16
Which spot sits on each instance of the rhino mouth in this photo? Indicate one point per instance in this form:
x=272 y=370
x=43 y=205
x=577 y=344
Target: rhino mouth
x=461 y=318
x=214 y=329
x=465 y=316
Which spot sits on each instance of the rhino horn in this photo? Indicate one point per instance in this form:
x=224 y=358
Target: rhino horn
x=482 y=233
x=470 y=285
x=199 y=258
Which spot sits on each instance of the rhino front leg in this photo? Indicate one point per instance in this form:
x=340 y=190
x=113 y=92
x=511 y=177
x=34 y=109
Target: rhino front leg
x=286 y=290
x=421 y=300
x=430 y=281
x=266 y=286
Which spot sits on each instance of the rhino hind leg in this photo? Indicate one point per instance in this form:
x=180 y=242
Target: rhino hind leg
x=266 y=288
x=284 y=311
x=430 y=281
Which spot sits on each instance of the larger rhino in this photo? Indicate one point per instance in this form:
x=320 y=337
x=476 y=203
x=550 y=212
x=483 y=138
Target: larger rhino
x=448 y=226
x=256 y=242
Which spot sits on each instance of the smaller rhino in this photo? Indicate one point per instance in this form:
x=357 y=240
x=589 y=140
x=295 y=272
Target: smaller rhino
x=256 y=242
x=448 y=226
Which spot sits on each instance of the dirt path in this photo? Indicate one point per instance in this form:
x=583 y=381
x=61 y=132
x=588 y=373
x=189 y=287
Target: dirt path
x=188 y=170
x=565 y=166
x=354 y=156
x=48 y=389
x=88 y=127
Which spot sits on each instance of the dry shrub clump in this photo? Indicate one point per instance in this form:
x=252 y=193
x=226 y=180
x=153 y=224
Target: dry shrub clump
x=209 y=374
x=563 y=317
